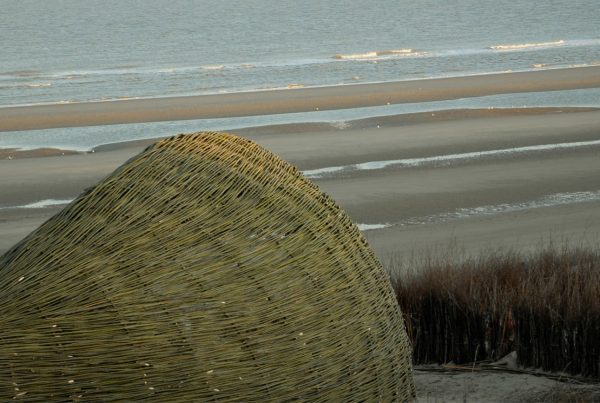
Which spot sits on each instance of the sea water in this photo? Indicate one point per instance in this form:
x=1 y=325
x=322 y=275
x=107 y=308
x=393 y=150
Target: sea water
x=75 y=51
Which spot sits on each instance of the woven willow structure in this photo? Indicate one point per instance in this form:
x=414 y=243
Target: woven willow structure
x=204 y=269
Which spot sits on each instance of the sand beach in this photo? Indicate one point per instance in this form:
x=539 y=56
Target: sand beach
x=475 y=178
x=467 y=179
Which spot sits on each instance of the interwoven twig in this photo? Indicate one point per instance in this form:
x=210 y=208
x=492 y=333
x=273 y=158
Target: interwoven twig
x=205 y=268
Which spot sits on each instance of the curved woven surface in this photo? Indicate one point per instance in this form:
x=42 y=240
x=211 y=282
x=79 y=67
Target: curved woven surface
x=205 y=268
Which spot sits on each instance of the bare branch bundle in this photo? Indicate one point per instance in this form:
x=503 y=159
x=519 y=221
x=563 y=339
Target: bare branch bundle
x=205 y=268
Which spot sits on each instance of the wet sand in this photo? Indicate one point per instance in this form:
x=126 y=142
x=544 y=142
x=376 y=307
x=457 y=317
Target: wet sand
x=402 y=197
x=294 y=100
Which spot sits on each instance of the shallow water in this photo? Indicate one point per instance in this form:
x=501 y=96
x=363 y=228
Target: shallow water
x=86 y=138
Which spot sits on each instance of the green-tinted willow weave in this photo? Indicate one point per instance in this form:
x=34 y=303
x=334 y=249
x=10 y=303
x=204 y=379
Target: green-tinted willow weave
x=205 y=268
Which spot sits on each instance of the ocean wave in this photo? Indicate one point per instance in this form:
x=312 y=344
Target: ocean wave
x=21 y=85
x=214 y=67
x=38 y=85
x=20 y=73
x=368 y=227
x=339 y=124
x=138 y=71
x=368 y=55
x=133 y=71
x=115 y=71
x=375 y=54
x=443 y=159
x=523 y=47
x=520 y=46
x=552 y=200
x=40 y=204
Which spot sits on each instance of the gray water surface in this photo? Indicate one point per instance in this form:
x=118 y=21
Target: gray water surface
x=74 y=50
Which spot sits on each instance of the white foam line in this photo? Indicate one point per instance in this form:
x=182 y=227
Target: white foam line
x=449 y=158
x=367 y=227
x=40 y=204
x=520 y=46
x=553 y=200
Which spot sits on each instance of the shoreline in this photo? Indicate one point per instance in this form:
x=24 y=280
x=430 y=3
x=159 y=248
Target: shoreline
x=406 y=119
x=308 y=99
x=392 y=194
x=296 y=86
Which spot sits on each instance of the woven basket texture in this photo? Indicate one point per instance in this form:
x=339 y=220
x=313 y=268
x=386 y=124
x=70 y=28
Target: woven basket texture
x=203 y=269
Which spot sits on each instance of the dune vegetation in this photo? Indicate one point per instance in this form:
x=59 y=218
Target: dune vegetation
x=545 y=305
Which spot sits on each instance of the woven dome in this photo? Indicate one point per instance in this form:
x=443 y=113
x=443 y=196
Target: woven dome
x=205 y=268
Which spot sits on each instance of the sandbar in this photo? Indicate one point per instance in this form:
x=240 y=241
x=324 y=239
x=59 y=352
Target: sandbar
x=293 y=100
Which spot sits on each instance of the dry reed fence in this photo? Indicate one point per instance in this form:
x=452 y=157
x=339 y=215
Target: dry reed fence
x=203 y=269
x=545 y=306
